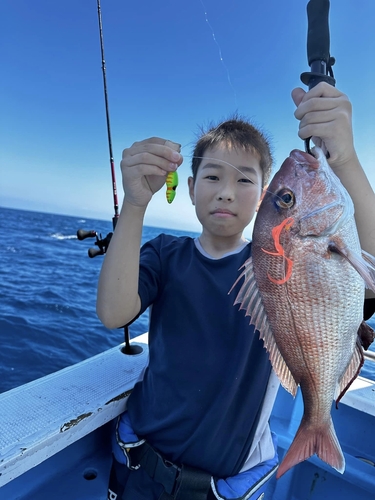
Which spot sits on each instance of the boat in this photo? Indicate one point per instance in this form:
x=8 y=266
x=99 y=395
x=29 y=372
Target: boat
x=55 y=438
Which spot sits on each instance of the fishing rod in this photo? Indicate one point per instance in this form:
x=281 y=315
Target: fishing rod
x=103 y=243
x=318 y=49
x=112 y=163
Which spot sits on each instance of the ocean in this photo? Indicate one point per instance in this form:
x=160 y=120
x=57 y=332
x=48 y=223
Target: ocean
x=48 y=293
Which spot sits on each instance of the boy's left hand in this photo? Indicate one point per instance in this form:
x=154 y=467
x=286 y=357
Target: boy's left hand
x=325 y=114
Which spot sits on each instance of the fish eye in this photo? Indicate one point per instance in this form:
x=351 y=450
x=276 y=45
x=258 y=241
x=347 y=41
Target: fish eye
x=285 y=198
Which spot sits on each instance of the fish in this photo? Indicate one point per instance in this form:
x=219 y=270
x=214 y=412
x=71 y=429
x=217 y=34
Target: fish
x=303 y=288
x=171 y=183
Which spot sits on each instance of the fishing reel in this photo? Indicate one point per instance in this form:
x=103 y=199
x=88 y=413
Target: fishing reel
x=101 y=243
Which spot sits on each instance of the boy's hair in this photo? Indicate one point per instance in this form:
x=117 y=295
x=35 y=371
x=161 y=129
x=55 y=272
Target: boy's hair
x=235 y=132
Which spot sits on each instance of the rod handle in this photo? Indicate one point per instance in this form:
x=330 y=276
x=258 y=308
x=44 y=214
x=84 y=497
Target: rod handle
x=82 y=234
x=94 y=252
x=318 y=39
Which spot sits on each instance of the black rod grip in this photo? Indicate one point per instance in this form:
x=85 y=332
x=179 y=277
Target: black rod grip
x=93 y=252
x=318 y=41
x=82 y=234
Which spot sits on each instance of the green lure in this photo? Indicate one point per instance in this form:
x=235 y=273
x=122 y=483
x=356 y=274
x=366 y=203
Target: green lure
x=171 y=183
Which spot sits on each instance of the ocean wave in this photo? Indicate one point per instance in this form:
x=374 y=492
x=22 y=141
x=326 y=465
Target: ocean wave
x=59 y=236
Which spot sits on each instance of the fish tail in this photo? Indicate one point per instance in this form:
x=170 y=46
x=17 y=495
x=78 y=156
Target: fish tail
x=309 y=440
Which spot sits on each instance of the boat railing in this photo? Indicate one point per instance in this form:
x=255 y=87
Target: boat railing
x=369 y=356
x=45 y=416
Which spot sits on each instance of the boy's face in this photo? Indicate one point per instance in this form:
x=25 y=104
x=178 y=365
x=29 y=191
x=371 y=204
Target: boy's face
x=226 y=199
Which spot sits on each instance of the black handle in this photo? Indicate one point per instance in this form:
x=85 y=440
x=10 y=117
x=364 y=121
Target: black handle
x=318 y=49
x=82 y=234
x=93 y=252
x=101 y=243
x=318 y=45
x=318 y=31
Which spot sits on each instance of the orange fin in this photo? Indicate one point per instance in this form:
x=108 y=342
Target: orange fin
x=309 y=441
x=250 y=301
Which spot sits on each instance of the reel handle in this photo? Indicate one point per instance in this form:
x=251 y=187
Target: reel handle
x=82 y=234
x=94 y=252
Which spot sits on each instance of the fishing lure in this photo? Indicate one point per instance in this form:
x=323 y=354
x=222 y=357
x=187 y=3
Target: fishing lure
x=171 y=183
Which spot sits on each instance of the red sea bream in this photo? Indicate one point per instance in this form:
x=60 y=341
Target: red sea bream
x=304 y=290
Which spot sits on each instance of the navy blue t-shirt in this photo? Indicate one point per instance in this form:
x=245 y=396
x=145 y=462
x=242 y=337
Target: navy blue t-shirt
x=203 y=389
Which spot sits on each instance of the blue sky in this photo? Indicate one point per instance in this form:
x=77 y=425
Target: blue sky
x=165 y=78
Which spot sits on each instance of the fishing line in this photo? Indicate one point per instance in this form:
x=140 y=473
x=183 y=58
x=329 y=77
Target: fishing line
x=220 y=53
x=235 y=168
x=286 y=275
x=221 y=161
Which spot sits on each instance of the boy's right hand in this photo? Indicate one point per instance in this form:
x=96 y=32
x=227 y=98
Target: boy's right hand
x=144 y=168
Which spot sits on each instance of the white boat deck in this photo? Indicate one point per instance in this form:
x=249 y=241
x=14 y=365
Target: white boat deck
x=43 y=417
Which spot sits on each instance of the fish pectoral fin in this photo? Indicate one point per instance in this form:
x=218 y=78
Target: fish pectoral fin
x=364 y=264
x=370 y=262
x=250 y=301
x=352 y=370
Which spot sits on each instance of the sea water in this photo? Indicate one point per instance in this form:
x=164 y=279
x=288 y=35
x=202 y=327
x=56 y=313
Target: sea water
x=48 y=293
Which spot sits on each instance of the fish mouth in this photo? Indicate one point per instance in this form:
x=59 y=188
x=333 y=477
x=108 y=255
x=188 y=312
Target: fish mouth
x=314 y=159
x=343 y=206
x=306 y=159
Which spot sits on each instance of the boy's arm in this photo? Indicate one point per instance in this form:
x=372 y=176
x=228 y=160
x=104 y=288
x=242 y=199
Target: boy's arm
x=117 y=296
x=144 y=167
x=325 y=114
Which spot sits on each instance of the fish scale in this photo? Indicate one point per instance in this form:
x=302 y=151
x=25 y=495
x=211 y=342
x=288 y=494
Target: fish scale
x=308 y=272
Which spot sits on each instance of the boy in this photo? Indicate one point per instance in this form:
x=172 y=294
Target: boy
x=196 y=426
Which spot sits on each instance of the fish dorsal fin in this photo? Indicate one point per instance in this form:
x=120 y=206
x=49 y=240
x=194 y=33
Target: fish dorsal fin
x=352 y=371
x=364 y=264
x=250 y=301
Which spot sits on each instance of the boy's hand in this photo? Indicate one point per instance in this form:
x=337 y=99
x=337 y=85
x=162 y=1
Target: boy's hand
x=144 y=167
x=325 y=114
